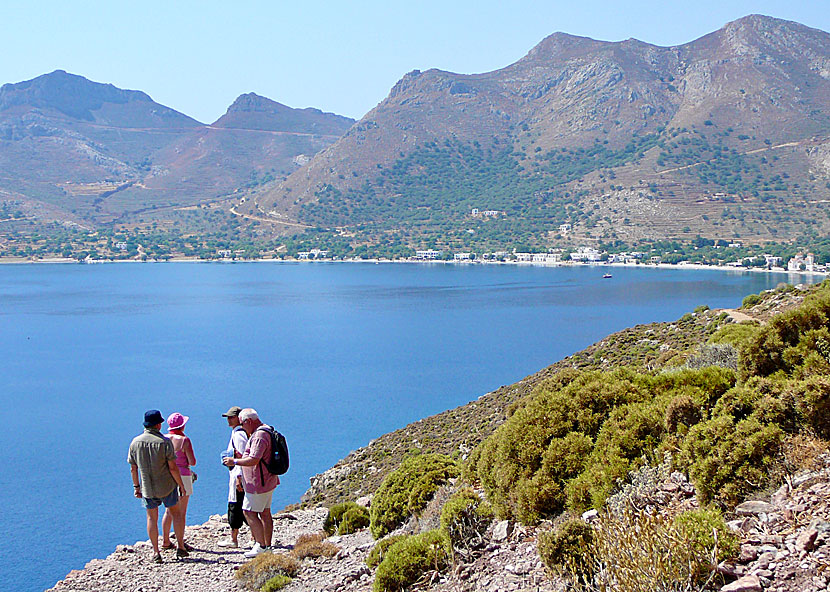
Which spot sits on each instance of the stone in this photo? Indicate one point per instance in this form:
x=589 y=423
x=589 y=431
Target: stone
x=806 y=540
x=781 y=494
x=748 y=553
x=502 y=530
x=590 y=515
x=749 y=583
x=754 y=507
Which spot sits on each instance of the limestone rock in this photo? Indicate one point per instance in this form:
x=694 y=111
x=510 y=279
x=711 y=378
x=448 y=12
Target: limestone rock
x=754 y=507
x=749 y=583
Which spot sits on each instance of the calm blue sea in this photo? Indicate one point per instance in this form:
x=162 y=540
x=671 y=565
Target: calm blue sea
x=332 y=354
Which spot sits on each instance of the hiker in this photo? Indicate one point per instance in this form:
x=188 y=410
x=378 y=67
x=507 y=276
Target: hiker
x=156 y=480
x=236 y=493
x=259 y=483
x=185 y=458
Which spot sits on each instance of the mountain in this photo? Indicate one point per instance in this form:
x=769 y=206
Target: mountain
x=253 y=112
x=725 y=136
x=76 y=150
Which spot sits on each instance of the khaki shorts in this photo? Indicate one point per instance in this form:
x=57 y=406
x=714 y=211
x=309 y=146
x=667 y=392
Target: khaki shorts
x=187 y=481
x=257 y=502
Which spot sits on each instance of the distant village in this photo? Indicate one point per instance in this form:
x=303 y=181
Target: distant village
x=591 y=256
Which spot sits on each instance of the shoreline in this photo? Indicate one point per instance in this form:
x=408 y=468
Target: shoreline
x=680 y=266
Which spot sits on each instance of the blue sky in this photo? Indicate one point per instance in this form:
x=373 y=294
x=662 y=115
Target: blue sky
x=197 y=57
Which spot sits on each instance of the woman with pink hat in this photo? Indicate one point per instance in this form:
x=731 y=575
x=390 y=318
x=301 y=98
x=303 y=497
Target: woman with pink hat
x=185 y=458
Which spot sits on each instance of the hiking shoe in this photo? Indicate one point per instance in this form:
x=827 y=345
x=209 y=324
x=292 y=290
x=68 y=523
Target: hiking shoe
x=256 y=550
x=228 y=543
x=157 y=558
x=181 y=553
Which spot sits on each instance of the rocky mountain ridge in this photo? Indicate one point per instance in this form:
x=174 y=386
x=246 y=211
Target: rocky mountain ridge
x=76 y=150
x=752 y=99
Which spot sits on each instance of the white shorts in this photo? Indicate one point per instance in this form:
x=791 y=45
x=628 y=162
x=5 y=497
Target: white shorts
x=257 y=502
x=187 y=480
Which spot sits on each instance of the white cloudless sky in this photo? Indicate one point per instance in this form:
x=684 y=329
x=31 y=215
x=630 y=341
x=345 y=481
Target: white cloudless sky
x=343 y=57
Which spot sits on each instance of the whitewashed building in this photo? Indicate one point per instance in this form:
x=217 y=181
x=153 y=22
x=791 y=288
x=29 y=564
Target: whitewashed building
x=428 y=254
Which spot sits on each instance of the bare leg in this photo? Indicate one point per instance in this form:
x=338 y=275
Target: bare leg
x=178 y=524
x=267 y=526
x=235 y=535
x=256 y=527
x=166 y=521
x=183 y=501
x=153 y=528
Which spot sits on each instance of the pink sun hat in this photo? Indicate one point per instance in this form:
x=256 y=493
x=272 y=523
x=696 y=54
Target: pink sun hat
x=176 y=421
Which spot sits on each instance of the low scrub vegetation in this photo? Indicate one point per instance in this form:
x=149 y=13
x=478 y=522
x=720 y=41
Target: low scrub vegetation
x=265 y=567
x=631 y=551
x=410 y=559
x=407 y=490
x=465 y=518
x=571 y=443
x=346 y=518
x=313 y=545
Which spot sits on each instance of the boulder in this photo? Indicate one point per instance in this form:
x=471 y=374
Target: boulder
x=749 y=583
x=806 y=540
x=754 y=507
x=502 y=530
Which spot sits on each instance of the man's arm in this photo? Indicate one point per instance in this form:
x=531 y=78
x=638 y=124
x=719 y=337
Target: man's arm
x=136 y=483
x=245 y=461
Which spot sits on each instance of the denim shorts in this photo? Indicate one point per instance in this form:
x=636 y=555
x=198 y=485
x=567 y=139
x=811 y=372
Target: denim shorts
x=154 y=502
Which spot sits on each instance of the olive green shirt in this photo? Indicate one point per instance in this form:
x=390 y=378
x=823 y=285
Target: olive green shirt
x=150 y=452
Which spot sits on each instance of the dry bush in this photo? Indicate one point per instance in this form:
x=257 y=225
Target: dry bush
x=803 y=452
x=642 y=552
x=430 y=518
x=265 y=566
x=313 y=545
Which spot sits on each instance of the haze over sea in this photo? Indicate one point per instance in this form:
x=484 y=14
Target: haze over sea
x=332 y=354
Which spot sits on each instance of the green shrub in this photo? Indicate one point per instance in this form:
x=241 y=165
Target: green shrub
x=812 y=398
x=353 y=520
x=346 y=518
x=567 y=449
x=276 y=583
x=682 y=411
x=727 y=459
x=406 y=490
x=751 y=300
x=406 y=561
x=465 y=518
x=707 y=533
x=776 y=346
x=254 y=574
x=378 y=552
x=568 y=548
x=735 y=334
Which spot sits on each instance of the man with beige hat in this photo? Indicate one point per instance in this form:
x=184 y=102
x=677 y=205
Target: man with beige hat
x=236 y=493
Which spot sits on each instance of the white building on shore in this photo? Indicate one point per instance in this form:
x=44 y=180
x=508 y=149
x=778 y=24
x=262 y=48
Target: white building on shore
x=428 y=254
x=587 y=254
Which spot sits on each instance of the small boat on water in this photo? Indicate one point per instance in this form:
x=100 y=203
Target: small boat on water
x=606 y=276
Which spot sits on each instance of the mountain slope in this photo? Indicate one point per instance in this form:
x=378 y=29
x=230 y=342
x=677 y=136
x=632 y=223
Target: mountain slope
x=723 y=136
x=80 y=151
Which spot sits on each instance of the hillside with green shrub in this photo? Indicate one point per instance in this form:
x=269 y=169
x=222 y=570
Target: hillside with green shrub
x=732 y=405
x=702 y=367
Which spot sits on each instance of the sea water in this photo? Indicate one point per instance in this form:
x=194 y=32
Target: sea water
x=332 y=354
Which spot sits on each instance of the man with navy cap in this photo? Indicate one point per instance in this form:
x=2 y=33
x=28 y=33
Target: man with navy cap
x=156 y=480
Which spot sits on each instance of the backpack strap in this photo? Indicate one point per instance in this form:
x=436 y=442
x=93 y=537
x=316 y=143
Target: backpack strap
x=261 y=474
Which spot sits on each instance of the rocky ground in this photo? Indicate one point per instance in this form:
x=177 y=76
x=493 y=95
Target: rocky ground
x=785 y=548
